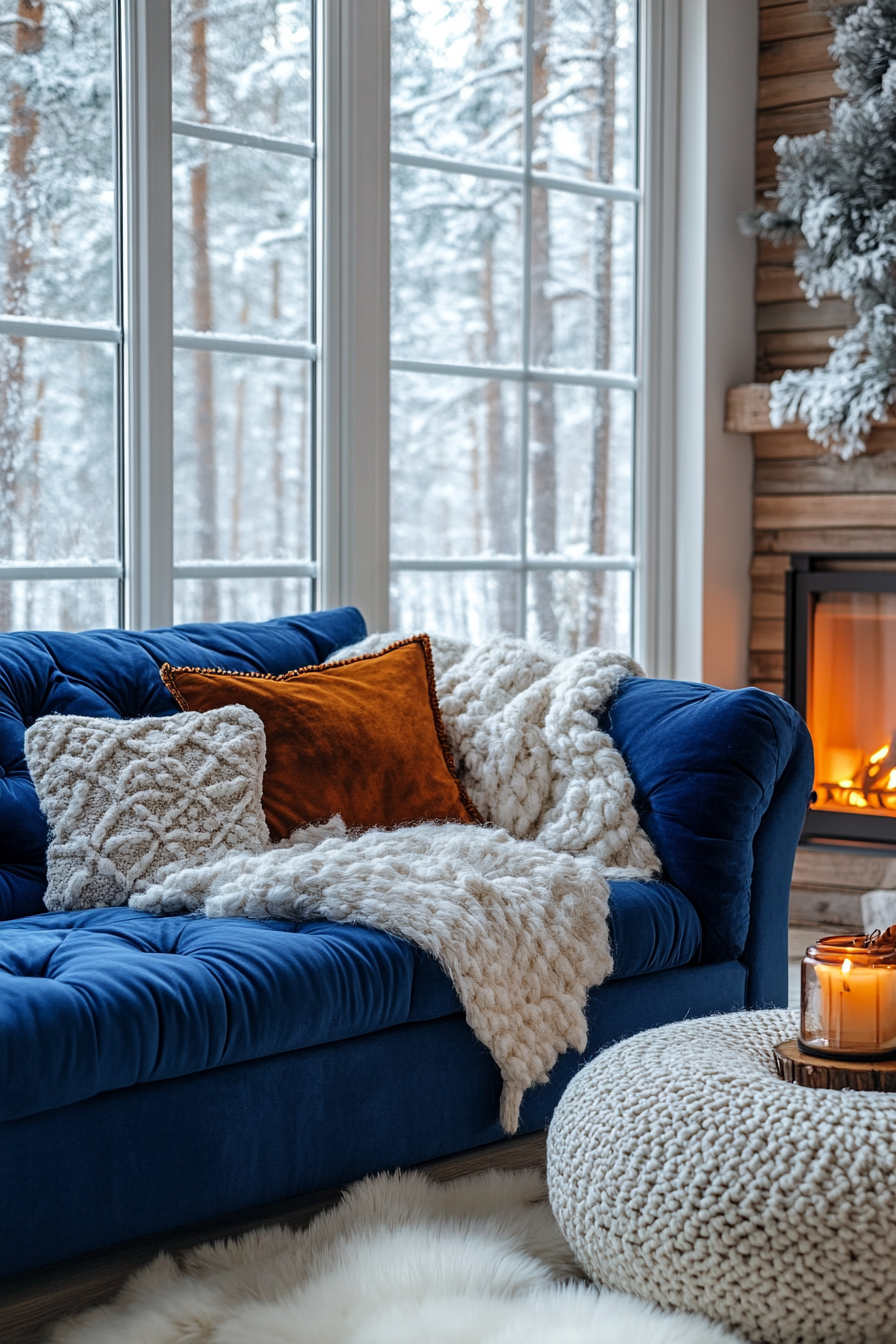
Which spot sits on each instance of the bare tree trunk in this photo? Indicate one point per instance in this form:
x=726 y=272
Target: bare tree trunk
x=499 y=469
x=475 y=484
x=204 y=406
x=605 y=109
x=32 y=507
x=24 y=123
x=542 y=446
x=500 y=487
x=236 y=499
x=303 y=501
x=239 y=434
x=277 y=463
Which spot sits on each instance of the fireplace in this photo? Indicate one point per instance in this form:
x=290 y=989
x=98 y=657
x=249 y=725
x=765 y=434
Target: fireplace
x=840 y=673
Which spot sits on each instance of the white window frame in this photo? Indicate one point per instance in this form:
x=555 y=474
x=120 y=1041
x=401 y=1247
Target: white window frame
x=354 y=116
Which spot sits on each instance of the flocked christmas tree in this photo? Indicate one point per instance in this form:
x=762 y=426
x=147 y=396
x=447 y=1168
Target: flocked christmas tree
x=837 y=189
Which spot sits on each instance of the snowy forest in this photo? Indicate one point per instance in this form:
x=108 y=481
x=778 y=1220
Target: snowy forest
x=485 y=272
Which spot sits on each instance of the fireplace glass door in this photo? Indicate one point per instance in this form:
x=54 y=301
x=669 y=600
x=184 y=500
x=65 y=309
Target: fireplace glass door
x=851 y=701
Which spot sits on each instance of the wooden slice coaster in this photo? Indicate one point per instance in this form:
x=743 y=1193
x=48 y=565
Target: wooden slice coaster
x=858 y=1075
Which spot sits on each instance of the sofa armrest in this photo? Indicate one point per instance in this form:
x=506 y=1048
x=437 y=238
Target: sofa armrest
x=722 y=782
x=774 y=848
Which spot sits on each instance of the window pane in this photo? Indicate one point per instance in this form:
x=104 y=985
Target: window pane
x=242 y=458
x=57 y=190
x=458 y=263
x=239 y=599
x=456 y=267
x=58 y=604
x=470 y=605
x=57 y=447
x=455 y=466
x=578 y=609
x=584 y=89
x=583 y=282
x=580 y=471
x=243 y=63
x=241 y=240
x=457 y=78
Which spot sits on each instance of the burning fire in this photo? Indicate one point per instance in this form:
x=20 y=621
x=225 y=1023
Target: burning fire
x=872 y=786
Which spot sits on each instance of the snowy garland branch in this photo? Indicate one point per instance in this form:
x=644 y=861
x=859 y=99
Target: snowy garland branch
x=838 y=190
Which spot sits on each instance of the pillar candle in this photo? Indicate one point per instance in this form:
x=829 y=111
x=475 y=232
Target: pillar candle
x=858 y=1005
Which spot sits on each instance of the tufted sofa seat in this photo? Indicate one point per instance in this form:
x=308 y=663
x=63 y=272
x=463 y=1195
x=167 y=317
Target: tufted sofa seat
x=106 y=999
x=159 y=1072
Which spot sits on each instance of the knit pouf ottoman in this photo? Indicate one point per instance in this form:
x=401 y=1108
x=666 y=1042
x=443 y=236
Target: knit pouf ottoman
x=683 y=1170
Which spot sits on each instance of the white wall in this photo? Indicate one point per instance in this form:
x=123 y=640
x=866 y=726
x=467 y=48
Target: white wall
x=714 y=338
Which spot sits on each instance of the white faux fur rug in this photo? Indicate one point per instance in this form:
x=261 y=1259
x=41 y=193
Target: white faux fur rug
x=400 y=1260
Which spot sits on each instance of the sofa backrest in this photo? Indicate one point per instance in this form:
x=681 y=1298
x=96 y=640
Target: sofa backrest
x=115 y=674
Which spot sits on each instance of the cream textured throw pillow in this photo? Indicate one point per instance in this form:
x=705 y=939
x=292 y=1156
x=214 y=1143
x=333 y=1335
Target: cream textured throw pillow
x=130 y=801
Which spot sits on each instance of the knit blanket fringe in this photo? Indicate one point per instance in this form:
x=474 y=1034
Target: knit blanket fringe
x=516 y=911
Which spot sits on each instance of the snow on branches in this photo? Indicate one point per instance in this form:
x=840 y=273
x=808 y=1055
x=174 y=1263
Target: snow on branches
x=837 y=194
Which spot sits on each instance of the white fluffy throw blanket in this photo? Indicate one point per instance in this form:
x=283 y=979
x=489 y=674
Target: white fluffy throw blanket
x=520 y=720
x=515 y=912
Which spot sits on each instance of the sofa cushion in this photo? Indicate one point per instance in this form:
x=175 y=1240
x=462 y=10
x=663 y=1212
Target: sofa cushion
x=131 y=801
x=115 y=674
x=96 y=1000
x=363 y=738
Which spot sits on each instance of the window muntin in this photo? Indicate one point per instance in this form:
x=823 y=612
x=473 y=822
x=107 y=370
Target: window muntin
x=515 y=226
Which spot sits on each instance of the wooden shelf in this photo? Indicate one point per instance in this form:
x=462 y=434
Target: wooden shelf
x=747 y=412
x=746 y=409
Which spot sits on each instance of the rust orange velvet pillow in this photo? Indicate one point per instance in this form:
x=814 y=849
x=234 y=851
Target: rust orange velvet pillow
x=363 y=738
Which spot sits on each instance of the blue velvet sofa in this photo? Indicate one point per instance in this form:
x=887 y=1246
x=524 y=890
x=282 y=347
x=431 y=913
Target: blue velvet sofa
x=160 y=1072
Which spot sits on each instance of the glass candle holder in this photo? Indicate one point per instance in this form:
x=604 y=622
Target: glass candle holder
x=848 y=998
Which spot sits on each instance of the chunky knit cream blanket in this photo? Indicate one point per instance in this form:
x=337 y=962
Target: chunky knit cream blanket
x=515 y=912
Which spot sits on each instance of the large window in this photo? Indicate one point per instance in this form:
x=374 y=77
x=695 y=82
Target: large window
x=515 y=224
x=169 y=370
x=241 y=212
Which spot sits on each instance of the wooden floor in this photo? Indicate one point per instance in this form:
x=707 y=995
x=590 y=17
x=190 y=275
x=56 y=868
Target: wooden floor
x=31 y=1303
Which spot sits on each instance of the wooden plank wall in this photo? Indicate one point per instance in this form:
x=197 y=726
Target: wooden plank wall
x=805 y=499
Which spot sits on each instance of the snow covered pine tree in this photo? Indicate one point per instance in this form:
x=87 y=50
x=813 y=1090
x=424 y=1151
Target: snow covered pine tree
x=838 y=189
